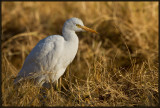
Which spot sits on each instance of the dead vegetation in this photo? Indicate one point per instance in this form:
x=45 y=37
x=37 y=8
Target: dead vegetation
x=117 y=68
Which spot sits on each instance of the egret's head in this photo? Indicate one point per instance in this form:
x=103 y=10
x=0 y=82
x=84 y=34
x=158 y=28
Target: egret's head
x=77 y=25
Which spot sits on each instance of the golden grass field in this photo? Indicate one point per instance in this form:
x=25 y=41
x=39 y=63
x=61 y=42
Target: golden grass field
x=117 y=68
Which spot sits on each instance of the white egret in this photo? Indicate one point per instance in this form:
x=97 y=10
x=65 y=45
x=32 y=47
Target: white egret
x=49 y=59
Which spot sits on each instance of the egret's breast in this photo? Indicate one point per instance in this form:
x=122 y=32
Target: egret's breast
x=70 y=51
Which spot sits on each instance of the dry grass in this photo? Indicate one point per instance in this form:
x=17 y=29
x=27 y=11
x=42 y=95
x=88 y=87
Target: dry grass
x=117 y=68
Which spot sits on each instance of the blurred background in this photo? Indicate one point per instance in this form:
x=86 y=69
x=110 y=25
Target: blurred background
x=122 y=60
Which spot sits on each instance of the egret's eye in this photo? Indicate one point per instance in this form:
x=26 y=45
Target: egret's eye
x=79 y=26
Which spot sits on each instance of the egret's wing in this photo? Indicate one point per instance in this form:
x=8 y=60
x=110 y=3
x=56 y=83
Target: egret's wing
x=44 y=56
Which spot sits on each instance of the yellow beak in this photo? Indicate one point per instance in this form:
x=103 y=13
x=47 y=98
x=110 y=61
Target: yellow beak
x=87 y=29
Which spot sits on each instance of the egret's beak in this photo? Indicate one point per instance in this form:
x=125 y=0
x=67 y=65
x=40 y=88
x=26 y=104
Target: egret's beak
x=86 y=28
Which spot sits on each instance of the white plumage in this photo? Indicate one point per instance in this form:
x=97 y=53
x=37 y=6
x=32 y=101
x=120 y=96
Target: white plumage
x=49 y=59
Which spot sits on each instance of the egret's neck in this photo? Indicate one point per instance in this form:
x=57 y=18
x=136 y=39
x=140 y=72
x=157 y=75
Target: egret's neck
x=69 y=35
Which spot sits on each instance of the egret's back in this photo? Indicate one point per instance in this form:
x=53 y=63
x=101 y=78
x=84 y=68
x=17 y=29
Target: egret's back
x=42 y=58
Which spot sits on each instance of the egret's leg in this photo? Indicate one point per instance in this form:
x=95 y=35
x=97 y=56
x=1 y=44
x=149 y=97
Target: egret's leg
x=43 y=92
x=43 y=96
x=60 y=83
x=57 y=85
